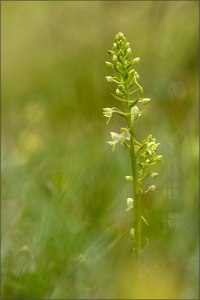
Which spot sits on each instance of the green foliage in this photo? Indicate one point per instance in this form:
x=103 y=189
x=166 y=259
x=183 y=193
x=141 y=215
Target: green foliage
x=62 y=193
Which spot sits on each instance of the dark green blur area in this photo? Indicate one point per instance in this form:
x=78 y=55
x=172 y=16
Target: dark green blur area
x=64 y=225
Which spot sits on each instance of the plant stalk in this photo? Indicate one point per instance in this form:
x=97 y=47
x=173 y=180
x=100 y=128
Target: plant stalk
x=144 y=155
x=136 y=195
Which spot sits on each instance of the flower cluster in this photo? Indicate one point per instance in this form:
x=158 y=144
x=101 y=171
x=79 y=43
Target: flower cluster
x=126 y=79
x=146 y=157
x=129 y=93
x=122 y=63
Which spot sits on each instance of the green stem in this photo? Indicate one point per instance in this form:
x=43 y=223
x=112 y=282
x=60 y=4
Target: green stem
x=136 y=195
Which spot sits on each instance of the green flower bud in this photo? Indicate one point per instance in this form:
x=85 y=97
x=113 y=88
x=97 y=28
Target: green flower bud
x=118 y=92
x=129 y=50
x=111 y=52
x=109 y=78
x=117 y=38
x=151 y=188
x=114 y=58
x=129 y=178
x=120 y=34
x=127 y=64
x=159 y=157
x=154 y=175
x=145 y=100
x=136 y=75
x=109 y=64
x=120 y=43
x=114 y=45
x=149 y=138
x=136 y=60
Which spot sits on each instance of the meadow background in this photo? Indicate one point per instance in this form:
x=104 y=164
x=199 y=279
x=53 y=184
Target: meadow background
x=64 y=228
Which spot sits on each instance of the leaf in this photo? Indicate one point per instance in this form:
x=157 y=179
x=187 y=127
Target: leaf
x=145 y=221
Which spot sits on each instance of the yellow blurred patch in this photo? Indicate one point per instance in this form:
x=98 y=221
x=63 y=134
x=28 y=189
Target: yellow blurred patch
x=30 y=141
x=159 y=283
x=34 y=113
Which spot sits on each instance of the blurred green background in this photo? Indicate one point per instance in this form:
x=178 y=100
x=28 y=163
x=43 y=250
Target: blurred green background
x=65 y=231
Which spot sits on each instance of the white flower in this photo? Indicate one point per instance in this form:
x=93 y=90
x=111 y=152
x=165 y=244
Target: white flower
x=129 y=203
x=119 y=137
x=108 y=113
x=151 y=147
x=151 y=188
x=115 y=139
x=109 y=78
x=129 y=178
x=135 y=113
x=151 y=144
x=125 y=134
